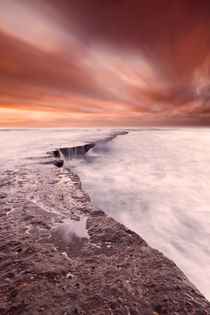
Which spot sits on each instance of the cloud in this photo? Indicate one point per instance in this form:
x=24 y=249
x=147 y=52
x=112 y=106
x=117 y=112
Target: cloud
x=113 y=62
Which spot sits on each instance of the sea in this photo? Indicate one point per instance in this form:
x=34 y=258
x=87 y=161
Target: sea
x=155 y=181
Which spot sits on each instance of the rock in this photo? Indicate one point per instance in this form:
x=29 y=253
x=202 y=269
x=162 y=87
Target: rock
x=59 y=163
x=3 y=195
x=74 y=152
x=56 y=153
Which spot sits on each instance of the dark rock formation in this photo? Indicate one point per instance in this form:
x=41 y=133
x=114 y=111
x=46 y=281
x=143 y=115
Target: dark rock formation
x=74 y=152
x=69 y=153
x=113 y=271
x=56 y=153
x=59 y=163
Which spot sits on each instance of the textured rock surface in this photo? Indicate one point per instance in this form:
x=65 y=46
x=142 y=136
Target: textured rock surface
x=113 y=271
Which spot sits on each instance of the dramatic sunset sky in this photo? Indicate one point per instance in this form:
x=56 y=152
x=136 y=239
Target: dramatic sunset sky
x=104 y=63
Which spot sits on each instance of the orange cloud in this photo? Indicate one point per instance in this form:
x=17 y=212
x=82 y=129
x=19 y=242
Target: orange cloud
x=129 y=62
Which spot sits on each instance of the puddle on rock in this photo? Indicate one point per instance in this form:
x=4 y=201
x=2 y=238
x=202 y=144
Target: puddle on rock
x=70 y=236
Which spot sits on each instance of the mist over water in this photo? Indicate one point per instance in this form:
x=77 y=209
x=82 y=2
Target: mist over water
x=20 y=147
x=155 y=181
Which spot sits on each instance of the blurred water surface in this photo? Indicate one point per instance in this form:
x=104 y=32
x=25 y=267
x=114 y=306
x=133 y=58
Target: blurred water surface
x=157 y=182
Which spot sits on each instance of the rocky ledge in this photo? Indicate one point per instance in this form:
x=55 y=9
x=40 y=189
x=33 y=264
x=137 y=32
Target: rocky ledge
x=49 y=267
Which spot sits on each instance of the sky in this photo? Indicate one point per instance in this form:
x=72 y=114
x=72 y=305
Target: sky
x=114 y=63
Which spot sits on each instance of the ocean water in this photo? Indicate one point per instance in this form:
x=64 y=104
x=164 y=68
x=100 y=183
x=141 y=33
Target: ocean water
x=29 y=146
x=155 y=181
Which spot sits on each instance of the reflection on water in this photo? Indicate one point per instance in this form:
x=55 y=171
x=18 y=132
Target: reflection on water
x=70 y=236
x=157 y=182
x=71 y=229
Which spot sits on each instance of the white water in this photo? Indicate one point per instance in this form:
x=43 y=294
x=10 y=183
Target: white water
x=19 y=147
x=155 y=181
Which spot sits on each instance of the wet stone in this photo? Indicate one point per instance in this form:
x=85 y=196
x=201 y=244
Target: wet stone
x=59 y=163
x=2 y=195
